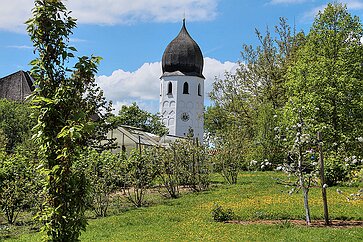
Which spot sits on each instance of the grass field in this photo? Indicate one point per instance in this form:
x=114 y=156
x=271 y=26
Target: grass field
x=256 y=197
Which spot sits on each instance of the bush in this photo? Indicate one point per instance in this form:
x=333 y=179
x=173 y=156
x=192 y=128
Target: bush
x=140 y=173
x=339 y=169
x=17 y=187
x=221 y=214
x=102 y=173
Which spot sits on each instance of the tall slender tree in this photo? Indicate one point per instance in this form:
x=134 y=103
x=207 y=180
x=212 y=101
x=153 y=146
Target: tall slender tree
x=66 y=100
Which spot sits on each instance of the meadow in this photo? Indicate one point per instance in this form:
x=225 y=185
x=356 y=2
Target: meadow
x=257 y=197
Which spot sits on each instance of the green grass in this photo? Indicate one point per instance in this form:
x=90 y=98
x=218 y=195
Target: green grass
x=257 y=196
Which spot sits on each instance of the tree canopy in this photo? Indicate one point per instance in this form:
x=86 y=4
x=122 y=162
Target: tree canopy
x=134 y=116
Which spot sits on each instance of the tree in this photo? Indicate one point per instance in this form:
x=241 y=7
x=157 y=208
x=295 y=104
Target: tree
x=66 y=99
x=250 y=100
x=15 y=123
x=134 y=116
x=326 y=79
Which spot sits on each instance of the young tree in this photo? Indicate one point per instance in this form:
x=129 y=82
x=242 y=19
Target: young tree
x=66 y=100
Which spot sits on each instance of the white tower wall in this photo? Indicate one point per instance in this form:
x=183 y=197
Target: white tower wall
x=181 y=111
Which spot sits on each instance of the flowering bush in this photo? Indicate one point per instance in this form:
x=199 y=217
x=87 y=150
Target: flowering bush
x=341 y=169
x=260 y=166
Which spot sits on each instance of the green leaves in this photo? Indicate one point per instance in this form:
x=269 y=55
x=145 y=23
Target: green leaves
x=326 y=78
x=66 y=123
x=134 y=116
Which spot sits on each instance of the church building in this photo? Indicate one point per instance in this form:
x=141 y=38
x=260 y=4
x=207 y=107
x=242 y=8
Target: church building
x=182 y=87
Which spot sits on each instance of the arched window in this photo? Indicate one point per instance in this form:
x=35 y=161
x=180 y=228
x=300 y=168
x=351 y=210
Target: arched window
x=170 y=88
x=199 y=91
x=185 y=88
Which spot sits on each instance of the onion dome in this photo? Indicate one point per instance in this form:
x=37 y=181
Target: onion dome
x=183 y=56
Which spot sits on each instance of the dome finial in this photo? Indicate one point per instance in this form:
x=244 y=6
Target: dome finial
x=184 y=19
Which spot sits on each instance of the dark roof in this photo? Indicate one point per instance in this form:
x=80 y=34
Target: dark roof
x=183 y=56
x=16 y=86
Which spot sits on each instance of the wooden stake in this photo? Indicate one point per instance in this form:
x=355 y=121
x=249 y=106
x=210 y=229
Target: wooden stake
x=322 y=180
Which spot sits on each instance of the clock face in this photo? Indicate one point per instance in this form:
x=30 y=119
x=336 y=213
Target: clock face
x=185 y=117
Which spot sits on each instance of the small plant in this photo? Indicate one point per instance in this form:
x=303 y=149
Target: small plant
x=285 y=224
x=221 y=214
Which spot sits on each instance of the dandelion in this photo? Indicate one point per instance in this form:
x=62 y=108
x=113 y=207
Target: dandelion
x=360 y=139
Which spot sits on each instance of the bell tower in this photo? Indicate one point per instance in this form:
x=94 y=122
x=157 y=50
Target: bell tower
x=182 y=87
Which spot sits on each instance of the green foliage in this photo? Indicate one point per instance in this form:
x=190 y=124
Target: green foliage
x=193 y=162
x=103 y=174
x=247 y=102
x=140 y=173
x=15 y=123
x=326 y=78
x=17 y=185
x=66 y=101
x=168 y=170
x=134 y=116
x=342 y=169
x=221 y=214
x=229 y=156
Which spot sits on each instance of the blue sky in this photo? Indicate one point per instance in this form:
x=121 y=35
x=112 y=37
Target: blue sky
x=132 y=35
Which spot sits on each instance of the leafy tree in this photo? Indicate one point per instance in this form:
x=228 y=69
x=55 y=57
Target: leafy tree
x=66 y=99
x=134 y=116
x=250 y=100
x=326 y=78
x=15 y=123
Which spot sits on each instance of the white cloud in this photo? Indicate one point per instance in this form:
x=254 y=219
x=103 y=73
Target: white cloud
x=351 y=5
x=14 y=13
x=142 y=85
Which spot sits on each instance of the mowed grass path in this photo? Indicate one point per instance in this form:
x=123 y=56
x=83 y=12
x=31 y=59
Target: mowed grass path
x=257 y=196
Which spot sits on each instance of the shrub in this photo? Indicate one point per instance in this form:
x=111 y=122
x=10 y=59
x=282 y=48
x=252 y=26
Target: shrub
x=16 y=185
x=102 y=173
x=140 y=174
x=221 y=214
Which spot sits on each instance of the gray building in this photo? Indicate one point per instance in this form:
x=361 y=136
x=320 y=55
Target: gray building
x=16 y=86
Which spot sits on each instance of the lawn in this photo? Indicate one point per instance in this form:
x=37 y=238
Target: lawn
x=256 y=197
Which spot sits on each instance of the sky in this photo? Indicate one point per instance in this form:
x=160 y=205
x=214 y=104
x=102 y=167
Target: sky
x=131 y=37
